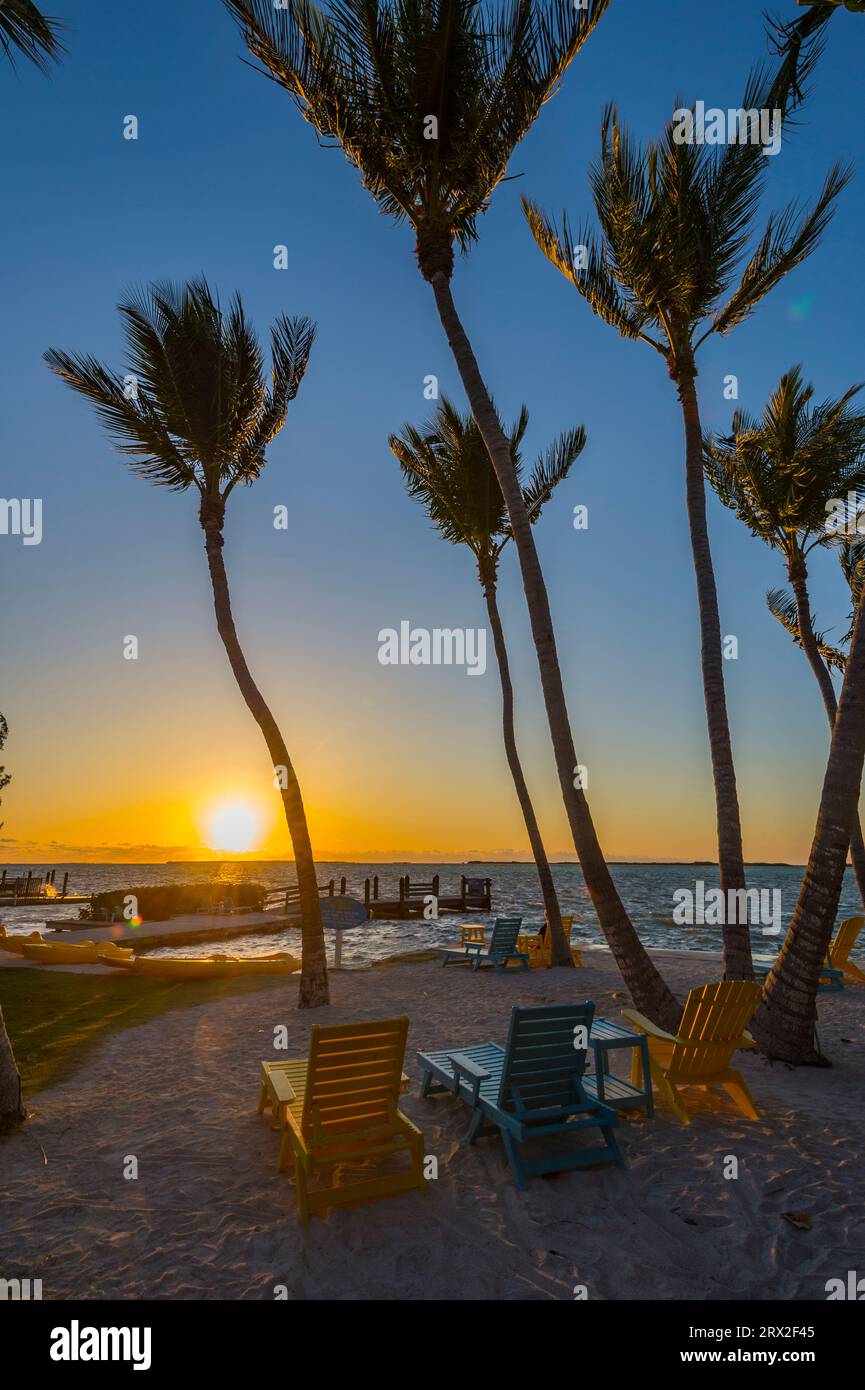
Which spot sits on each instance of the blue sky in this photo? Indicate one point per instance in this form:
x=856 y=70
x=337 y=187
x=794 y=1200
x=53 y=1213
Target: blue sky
x=223 y=170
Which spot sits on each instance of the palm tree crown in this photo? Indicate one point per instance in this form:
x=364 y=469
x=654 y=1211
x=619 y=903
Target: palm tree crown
x=195 y=408
x=781 y=474
x=675 y=221
x=25 y=31
x=446 y=466
x=427 y=98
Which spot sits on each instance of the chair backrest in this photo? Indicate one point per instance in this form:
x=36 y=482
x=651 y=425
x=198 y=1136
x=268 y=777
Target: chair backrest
x=845 y=940
x=714 y=1019
x=505 y=933
x=567 y=923
x=353 y=1076
x=542 y=1060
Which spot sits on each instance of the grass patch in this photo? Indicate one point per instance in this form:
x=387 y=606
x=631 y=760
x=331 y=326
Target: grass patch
x=56 y=1018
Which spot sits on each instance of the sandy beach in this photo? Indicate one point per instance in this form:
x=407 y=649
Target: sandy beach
x=209 y=1216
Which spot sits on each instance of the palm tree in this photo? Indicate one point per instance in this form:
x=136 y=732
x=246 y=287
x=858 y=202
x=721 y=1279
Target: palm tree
x=428 y=100
x=781 y=476
x=784 y=1022
x=195 y=410
x=25 y=31
x=674 y=223
x=11 y=1108
x=447 y=468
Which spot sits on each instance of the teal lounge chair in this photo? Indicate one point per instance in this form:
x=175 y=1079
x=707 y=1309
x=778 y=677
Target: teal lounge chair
x=529 y=1090
x=502 y=948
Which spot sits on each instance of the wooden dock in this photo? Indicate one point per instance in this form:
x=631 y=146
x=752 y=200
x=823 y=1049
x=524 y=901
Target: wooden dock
x=475 y=895
x=28 y=890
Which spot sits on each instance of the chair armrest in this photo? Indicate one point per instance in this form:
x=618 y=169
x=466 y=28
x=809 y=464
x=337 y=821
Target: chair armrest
x=470 y=1071
x=645 y=1025
x=282 y=1088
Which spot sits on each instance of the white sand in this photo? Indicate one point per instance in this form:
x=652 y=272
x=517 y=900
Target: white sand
x=210 y=1216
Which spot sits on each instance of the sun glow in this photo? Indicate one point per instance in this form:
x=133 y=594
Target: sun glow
x=234 y=826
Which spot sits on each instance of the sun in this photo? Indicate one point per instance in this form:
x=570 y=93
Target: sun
x=233 y=826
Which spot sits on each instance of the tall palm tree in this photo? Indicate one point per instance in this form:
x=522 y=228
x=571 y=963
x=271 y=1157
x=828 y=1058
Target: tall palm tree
x=26 y=32
x=784 y=1022
x=11 y=1108
x=674 y=222
x=447 y=468
x=428 y=100
x=781 y=475
x=195 y=410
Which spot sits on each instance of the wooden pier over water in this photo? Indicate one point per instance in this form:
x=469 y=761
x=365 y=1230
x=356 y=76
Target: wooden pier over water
x=35 y=890
x=475 y=895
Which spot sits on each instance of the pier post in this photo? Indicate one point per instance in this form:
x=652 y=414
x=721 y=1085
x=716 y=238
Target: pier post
x=342 y=887
x=366 y=893
x=27 y=885
x=65 y=881
x=375 y=885
x=3 y=880
x=435 y=884
x=462 y=892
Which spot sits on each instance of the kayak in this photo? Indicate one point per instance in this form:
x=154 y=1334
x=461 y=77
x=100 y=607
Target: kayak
x=75 y=952
x=207 y=967
x=15 y=944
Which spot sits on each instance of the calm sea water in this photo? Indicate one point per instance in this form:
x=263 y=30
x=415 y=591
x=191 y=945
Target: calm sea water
x=646 y=889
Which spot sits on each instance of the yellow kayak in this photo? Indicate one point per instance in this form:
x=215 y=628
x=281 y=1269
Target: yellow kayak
x=15 y=944
x=74 y=952
x=212 y=967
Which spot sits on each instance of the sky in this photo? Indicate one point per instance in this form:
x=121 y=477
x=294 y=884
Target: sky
x=116 y=759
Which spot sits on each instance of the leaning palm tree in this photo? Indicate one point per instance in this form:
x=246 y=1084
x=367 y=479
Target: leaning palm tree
x=447 y=468
x=782 y=475
x=428 y=100
x=195 y=410
x=11 y=1108
x=674 y=222
x=784 y=1022
x=26 y=32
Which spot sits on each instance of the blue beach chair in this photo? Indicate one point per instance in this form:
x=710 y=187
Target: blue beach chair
x=531 y=1089
x=502 y=948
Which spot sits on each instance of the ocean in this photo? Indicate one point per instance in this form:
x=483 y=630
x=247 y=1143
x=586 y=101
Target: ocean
x=649 y=892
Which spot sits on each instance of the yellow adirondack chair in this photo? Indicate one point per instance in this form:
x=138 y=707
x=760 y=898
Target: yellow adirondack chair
x=539 y=948
x=471 y=934
x=712 y=1027
x=339 y=1106
x=841 y=946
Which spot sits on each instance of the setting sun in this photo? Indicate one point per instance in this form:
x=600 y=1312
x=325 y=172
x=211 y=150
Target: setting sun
x=234 y=826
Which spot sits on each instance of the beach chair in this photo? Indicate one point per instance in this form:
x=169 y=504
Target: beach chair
x=529 y=1090
x=539 y=948
x=339 y=1106
x=832 y=972
x=502 y=948
x=840 y=947
x=712 y=1026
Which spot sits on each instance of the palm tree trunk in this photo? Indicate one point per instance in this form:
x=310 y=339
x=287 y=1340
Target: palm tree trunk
x=11 y=1109
x=560 y=951
x=645 y=983
x=799 y=581
x=784 y=1022
x=737 y=936
x=313 y=978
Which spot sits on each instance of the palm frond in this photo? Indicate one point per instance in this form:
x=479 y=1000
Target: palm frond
x=551 y=468
x=785 y=243
x=26 y=32
x=782 y=606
